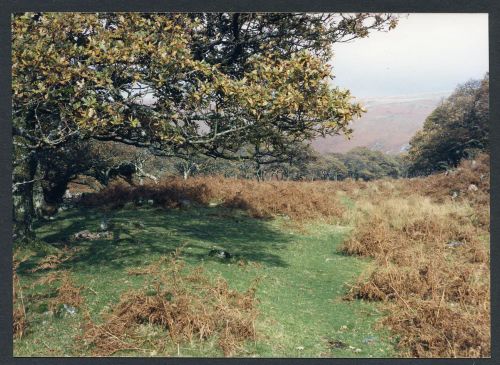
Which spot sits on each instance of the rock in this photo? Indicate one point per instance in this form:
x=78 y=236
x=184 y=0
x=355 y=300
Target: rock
x=138 y=225
x=473 y=165
x=454 y=244
x=82 y=235
x=472 y=187
x=185 y=203
x=454 y=195
x=69 y=309
x=369 y=340
x=336 y=344
x=90 y=236
x=105 y=235
x=221 y=254
x=104 y=224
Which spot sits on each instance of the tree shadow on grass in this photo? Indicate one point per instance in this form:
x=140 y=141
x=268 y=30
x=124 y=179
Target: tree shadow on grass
x=143 y=233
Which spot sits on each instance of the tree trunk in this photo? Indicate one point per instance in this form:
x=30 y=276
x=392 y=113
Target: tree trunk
x=38 y=196
x=24 y=171
x=53 y=193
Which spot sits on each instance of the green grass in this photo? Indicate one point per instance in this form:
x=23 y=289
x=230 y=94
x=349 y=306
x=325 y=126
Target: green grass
x=303 y=279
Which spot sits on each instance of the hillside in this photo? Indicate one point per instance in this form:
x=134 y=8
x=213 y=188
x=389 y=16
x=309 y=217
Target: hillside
x=388 y=125
x=230 y=267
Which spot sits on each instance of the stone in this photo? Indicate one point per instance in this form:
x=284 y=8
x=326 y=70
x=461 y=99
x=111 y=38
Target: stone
x=472 y=187
x=454 y=244
x=336 y=344
x=185 y=203
x=90 y=236
x=69 y=309
x=221 y=254
x=369 y=340
x=138 y=225
x=104 y=225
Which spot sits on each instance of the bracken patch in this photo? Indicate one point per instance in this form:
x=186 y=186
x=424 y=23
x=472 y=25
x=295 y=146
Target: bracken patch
x=431 y=266
x=297 y=200
x=188 y=305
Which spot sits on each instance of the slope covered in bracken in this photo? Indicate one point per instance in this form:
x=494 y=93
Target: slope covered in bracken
x=428 y=239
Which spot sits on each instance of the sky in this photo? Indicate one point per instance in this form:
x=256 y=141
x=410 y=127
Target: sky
x=425 y=53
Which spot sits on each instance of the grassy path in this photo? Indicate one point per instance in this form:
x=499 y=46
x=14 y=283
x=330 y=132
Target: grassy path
x=302 y=280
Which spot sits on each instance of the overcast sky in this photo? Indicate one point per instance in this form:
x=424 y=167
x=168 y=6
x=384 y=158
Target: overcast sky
x=424 y=53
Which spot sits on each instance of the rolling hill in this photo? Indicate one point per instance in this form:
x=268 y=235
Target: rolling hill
x=388 y=125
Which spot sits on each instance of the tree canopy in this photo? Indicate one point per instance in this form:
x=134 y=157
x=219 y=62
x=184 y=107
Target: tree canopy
x=216 y=79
